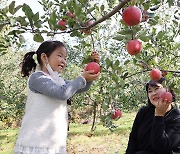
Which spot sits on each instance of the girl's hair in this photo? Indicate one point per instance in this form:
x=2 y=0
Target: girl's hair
x=29 y=64
x=154 y=83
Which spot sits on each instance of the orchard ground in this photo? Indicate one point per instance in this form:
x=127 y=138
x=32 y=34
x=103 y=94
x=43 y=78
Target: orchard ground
x=81 y=140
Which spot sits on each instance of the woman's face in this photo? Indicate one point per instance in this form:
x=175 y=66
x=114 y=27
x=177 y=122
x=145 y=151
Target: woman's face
x=154 y=93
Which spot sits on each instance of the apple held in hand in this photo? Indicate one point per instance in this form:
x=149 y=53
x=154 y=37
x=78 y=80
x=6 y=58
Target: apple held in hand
x=167 y=96
x=117 y=114
x=93 y=66
x=132 y=15
x=134 y=47
x=155 y=74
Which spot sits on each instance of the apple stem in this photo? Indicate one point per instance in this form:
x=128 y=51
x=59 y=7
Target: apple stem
x=92 y=42
x=132 y=33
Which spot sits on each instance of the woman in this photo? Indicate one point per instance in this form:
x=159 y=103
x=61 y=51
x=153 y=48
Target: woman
x=156 y=128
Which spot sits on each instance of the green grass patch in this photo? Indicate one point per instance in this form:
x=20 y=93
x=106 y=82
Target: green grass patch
x=81 y=140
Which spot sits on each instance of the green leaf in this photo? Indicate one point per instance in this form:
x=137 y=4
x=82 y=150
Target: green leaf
x=144 y=37
x=74 y=33
x=104 y=106
x=119 y=37
x=108 y=62
x=146 y=6
x=122 y=82
x=1 y=26
x=126 y=62
x=102 y=7
x=38 y=38
x=78 y=10
x=36 y=17
x=116 y=64
x=115 y=78
x=17 y=8
x=28 y=12
x=11 y=7
x=86 y=60
x=91 y=9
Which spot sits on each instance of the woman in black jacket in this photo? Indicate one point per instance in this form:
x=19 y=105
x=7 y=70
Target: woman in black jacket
x=156 y=128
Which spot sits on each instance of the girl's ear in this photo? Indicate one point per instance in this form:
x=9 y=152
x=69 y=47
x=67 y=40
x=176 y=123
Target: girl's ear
x=44 y=58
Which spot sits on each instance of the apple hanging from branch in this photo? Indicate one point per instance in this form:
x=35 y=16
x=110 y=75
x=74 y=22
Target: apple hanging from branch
x=87 y=31
x=132 y=15
x=70 y=14
x=155 y=74
x=62 y=24
x=134 y=47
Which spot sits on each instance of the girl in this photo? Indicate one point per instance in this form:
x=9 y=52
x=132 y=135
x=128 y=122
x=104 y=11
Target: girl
x=156 y=129
x=44 y=125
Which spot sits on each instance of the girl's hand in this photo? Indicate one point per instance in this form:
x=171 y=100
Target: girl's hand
x=161 y=107
x=95 y=57
x=89 y=76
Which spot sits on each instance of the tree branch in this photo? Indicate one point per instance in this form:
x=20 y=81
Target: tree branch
x=115 y=10
x=172 y=71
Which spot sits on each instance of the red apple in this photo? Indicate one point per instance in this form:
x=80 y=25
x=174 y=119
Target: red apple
x=134 y=47
x=70 y=14
x=88 y=24
x=132 y=15
x=93 y=66
x=62 y=24
x=117 y=114
x=166 y=96
x=155 y=74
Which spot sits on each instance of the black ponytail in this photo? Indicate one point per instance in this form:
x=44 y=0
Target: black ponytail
x=28 y=64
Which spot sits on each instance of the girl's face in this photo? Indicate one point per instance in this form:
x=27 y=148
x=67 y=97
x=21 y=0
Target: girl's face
x=57 y=60
x=154 y=93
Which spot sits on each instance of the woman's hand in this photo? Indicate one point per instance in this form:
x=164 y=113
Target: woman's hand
x=162 y=107
x=89 y=76
x=95 y=56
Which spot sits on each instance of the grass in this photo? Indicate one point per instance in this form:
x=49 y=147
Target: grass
x=81 y=140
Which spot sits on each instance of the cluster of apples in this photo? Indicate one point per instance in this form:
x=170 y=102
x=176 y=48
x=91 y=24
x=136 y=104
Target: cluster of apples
x=156 y=74
x=62 y=23
x=132 y=16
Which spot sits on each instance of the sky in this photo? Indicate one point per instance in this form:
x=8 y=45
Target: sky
x=36 y=7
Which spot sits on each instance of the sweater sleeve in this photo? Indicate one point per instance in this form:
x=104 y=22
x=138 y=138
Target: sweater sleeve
x=86 y=88
x=165 y=136
x=41 y=83
x=132 y=143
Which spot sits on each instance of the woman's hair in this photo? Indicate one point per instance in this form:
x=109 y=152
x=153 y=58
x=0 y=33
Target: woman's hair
x=29 y=64
x=154 y=83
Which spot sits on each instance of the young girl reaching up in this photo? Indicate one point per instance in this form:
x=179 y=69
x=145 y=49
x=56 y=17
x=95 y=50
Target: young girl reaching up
x=44 y=125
